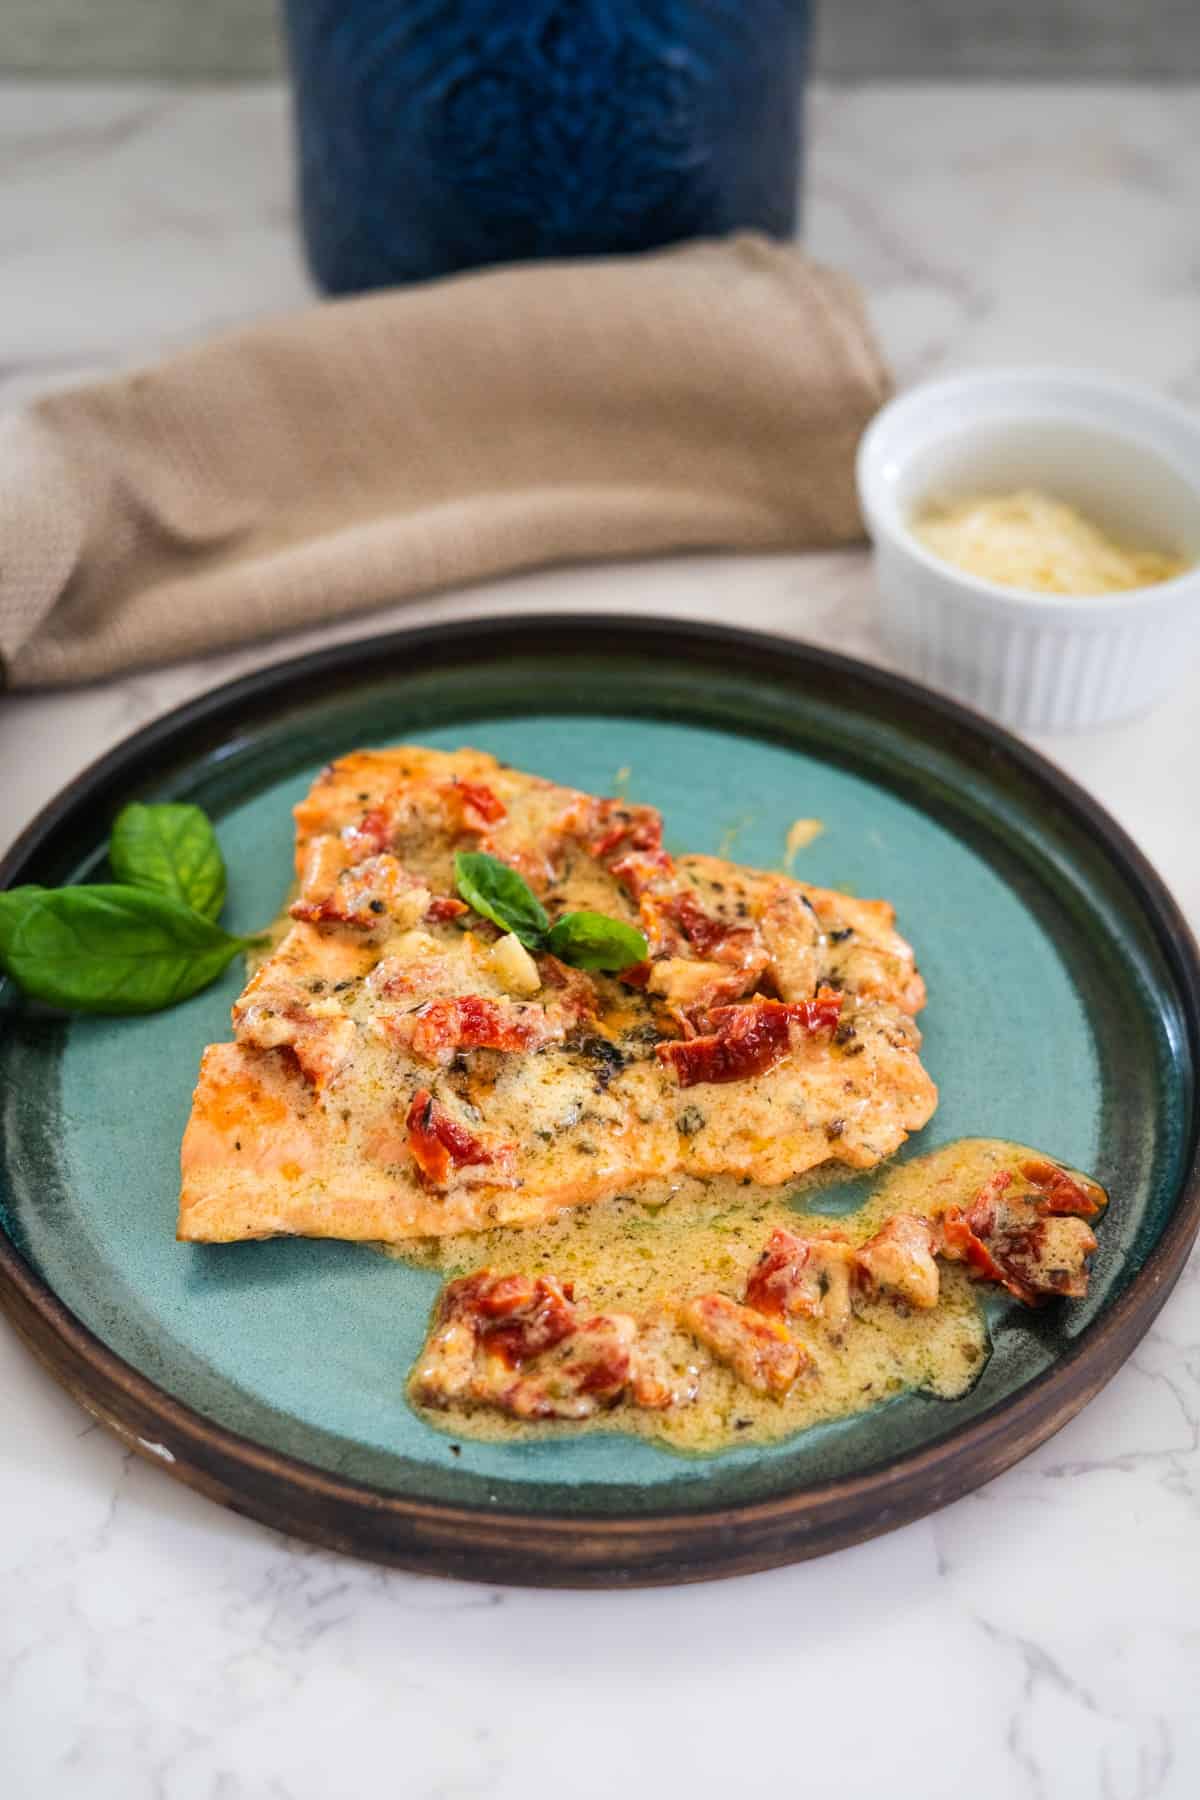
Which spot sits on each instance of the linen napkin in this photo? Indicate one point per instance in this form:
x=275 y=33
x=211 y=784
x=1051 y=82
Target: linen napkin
x=376 y=448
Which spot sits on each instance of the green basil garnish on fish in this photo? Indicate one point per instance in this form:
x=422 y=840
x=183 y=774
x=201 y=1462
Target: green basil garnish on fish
x=498 y=893
x=587 y=940
x=591 y=940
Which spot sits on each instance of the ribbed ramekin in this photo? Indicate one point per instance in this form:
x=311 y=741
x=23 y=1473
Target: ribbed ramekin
x=1040 y=662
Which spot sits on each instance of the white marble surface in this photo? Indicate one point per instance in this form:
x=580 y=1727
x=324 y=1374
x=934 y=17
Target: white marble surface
x=1041 y=1638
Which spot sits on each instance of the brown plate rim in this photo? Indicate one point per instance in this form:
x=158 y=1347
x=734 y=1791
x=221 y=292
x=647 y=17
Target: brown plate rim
x=576 y=1548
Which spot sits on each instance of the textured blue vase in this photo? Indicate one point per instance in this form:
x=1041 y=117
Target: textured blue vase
x=436 y=135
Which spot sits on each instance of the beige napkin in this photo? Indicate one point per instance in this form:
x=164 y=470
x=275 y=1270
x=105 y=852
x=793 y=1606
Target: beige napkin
x=372 y=449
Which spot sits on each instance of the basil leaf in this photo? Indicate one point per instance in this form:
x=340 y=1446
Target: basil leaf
x=14 y=903
x=111 y=949
x=501 y=895
x=170 y=849
x=588 y=940
x=591 y=940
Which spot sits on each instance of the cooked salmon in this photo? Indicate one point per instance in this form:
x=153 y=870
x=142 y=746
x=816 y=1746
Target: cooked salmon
x=400 y=1067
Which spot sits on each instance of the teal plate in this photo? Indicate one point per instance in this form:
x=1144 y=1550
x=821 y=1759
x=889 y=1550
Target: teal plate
x=1063 y=1012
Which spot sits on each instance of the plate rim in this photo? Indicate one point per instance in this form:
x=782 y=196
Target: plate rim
x=578 y=1548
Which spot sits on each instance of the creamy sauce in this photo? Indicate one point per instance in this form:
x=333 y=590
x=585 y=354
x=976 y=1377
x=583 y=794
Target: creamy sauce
x=800 y=835
x=1029 y=540
x=669 y=1242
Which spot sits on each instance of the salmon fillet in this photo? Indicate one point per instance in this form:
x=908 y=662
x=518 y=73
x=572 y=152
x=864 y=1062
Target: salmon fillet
x=400 y=1068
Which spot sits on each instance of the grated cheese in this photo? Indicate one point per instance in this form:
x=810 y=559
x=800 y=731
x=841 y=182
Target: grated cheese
x=1029 y=540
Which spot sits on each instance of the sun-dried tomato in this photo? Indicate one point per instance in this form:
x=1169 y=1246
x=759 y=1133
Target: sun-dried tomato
x=746 y=1040
x=472 y=1022
x=806 y=1277
x=516 y=1316
x=445 y=906
x=439 y=1142
x=480 y=806
x=715 y=939
x=621 y=826
x=777 y=1273
x=1023 y=1241
x=370 y=835
x=640 y=870
x=1062 y=1193
x=515 y=1320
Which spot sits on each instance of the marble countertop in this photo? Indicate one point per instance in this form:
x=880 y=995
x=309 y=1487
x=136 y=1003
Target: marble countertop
x=1040 y=1638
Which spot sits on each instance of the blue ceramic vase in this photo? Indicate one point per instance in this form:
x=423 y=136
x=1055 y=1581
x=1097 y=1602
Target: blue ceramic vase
x=436 y=135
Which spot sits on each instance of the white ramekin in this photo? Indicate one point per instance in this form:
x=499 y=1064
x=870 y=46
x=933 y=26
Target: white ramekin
x=1041 y=662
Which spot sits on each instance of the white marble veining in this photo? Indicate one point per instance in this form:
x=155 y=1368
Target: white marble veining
x=1041 y=1639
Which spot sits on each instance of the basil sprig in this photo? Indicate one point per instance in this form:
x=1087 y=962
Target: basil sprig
x=591 y=940
x=588 y=940
x=110 y=949
x=129 y=947
x=170 y=849
x=501 y=895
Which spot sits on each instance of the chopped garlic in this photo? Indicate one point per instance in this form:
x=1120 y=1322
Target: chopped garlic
x=514 y=967
x=413 y=946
